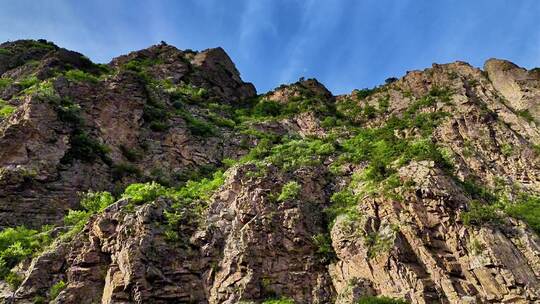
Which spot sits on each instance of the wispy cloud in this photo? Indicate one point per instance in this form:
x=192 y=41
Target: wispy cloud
x=344 y=43
x=318 y=23
x=256 y=20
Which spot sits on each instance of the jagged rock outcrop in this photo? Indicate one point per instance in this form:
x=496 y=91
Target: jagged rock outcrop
x=423 y=189
x=518 y=86
x=41 y=172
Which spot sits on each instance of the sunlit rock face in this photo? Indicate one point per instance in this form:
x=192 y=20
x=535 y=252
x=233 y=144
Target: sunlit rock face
x=424 y=189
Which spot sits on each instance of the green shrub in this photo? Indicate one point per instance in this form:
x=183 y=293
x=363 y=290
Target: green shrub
x=5 y=82
x=202 y=189
x=378 y=242
x=139 y=65
x=19 y=243
x=289 y=191
x=85 y=148
x=96 y=202
x=132 y=155
x=5 y=52
x=82 y=146
x=221 y=121
x=69 y=112
x=478 y=192
x=380 y=300
x=133 y=65
x=480 y=213
x=161 y=176
x=92 y=203
x=196 y=173
x=343 y=203
x=199 y=127
x=369 y=112
x=40 y=44
x=329 y=122
x=5 y=109
x=142 y=193
x=13 y=279
x=476 y=247
x=189 y=203
x=261 y=108
x=325 y=251
x=506 y=149
x=75 y=217
x=536 y=149
x=384 y=104
x=156 y=116
x=154 y=112
x=159 y=126
x=279 y=301
x=298 y=153
x=383 y=150
x=526 y=114
x=44 y=89
x=186 y=92
x=267 y=108
x=363 y=93
x=390 y=80
x=196 y=126
x=28 y=82
x=527 y=209
x=56 y=289
x=80 y=76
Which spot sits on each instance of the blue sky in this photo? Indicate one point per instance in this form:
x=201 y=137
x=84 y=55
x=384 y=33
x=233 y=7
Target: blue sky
x=345 y=44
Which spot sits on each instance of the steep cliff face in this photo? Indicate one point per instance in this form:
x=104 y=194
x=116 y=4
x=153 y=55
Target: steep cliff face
x=425 y=189
x=80 y=126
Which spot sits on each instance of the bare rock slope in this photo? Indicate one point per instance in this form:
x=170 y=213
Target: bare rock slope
x=162 y=177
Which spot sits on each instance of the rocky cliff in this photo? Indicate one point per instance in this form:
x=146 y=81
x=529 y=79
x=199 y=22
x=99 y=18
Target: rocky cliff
x=162 y=177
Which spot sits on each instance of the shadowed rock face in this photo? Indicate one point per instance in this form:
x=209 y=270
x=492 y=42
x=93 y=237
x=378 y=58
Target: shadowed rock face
x=299 y=216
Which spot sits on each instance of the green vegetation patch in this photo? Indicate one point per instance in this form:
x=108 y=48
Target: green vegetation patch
x=489 y=207
x=292 y=153
x=384 y=150
x=289 y=191
x=5 y=82
x=279 y=301
x=156 y=115
x=17 y=244
x=28 y=82
x=189 y=201
x=526 y=114
x=189 y=204
x=479 y=213
x=5 y=52
x=92 y=203
x=527 y=209
x=85 y=148
x=325 y=251
x=344 y=203
x=56 y=289
x=5 y=109
x=121 y=170
x=196 y=126
x=77 y=75
x=186 y=93
x=140 y=64
x=380 y=300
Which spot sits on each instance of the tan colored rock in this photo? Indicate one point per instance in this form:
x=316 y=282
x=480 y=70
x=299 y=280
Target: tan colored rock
x=517 y=85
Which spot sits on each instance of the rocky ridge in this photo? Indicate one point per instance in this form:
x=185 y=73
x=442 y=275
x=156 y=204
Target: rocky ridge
x=199 y=190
